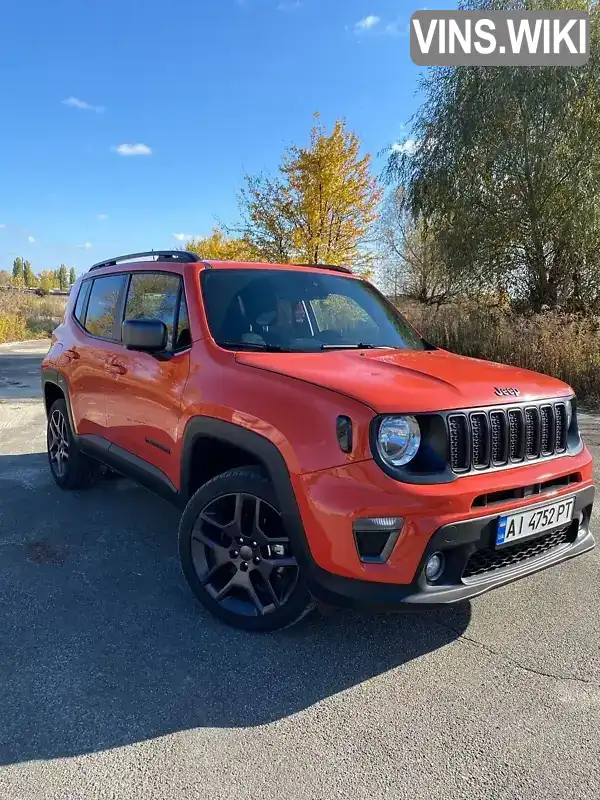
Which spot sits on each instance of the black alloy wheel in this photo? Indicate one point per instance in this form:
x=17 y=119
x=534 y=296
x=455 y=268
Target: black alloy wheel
x=237 y=556
x=70 y=468
x=58 y=443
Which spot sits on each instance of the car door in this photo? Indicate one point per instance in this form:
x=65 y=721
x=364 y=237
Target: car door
x=144 y=406
x=87 y=361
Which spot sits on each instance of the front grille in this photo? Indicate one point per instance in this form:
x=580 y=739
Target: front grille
x=490 y=560
x=499 y=443
x=546 y=430
x=561 y=428
x=459 y=443
x=515 y=421
x=479 y=440
x=532 y=429
x=521 y=492
x=499 y=437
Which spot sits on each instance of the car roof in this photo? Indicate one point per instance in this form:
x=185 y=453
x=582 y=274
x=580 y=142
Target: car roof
x=188 y=260
x=214 y=264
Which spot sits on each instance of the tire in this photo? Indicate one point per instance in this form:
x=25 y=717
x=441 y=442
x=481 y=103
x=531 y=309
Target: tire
x=236 y=556
x=70 y=468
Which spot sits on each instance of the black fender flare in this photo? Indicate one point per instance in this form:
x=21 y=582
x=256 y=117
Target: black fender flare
x=268 y=455
x=58 y=379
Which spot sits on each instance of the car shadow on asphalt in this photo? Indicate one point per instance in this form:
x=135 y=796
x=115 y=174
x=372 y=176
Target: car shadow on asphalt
x=102 y=645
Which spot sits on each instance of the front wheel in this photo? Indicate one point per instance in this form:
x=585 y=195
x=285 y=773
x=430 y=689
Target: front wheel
x=236 y=555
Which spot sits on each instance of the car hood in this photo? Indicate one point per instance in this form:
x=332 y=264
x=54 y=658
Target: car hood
x=410 y=381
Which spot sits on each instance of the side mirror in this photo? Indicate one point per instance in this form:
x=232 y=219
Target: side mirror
x=148 y=335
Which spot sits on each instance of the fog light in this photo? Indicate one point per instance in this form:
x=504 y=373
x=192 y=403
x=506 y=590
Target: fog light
x=434 y=566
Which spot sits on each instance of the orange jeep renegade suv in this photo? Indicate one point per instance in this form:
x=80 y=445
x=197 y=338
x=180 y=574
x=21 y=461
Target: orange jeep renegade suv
x=320 y=447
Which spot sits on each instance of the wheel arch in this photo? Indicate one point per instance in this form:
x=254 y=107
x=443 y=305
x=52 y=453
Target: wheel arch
x=260 y=452
x=55 y=387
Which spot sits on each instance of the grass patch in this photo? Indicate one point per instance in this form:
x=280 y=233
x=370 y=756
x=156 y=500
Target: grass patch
x=27 y=316
x=565 y=346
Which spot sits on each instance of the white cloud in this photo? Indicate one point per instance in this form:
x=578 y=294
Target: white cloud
x=182 y=237
x=102 y=216
x=133 y=150
x=83 y=105
x=367 y=24
x=31 y=239
x=409 y=147
x=84 y=246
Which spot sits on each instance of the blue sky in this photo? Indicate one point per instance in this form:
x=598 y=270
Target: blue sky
x=125 y=122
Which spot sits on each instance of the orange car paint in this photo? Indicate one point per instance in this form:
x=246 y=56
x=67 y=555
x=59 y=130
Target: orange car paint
x=293 y=400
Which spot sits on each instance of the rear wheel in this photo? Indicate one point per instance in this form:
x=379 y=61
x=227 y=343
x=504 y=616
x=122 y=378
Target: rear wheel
x=70 y=468
x=236 y=555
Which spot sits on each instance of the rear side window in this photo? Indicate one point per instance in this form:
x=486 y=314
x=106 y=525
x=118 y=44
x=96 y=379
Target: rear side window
x=82 y=297
x=154 y=295
x=184 y=335
x=102 y=306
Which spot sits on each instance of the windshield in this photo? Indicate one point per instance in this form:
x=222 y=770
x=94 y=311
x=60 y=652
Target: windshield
x=285 y=310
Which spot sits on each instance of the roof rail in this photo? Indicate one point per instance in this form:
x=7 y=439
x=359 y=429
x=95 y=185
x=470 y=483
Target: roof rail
x=160 y=255
x=334 y=267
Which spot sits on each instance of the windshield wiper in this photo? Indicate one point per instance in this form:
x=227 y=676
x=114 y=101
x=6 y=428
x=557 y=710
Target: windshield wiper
x=267 y=348
x=277 y=348
x=359 y=346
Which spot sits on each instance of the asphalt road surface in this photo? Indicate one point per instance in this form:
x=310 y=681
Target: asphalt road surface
x=114 y=683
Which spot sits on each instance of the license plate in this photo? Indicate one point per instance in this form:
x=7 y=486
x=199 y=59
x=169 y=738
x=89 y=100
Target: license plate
x=512 y=527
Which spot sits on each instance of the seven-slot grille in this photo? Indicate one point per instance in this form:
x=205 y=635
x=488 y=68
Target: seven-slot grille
x=498 y=437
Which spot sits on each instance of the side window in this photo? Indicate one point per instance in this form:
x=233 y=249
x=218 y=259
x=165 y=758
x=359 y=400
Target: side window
x=154 y=295
x=102 y=306
x=184 y=335
x=82 y=297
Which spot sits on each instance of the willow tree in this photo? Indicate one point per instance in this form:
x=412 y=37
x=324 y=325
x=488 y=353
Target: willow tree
x=411 y=259
x=507 y=172
x=320 y=207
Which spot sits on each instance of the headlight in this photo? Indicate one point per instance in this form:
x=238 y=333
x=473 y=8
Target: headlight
x=398 y=440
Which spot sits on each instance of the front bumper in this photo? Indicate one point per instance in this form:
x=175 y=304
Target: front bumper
x=458 y=541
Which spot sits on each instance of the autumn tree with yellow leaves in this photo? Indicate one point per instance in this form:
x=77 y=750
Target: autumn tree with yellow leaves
x=321 y=206
x=220 y=246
